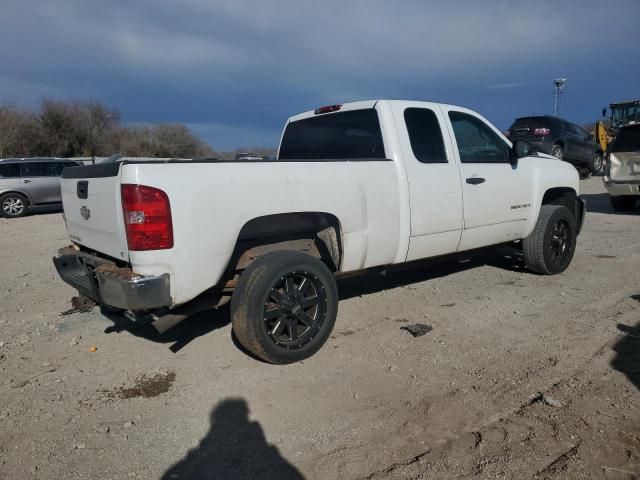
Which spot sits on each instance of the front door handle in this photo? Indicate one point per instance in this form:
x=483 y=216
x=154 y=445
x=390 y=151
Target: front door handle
x=475 y=180
x=26 y=181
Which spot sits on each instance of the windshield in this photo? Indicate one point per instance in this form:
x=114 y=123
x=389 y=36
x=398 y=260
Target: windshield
x=623 y=114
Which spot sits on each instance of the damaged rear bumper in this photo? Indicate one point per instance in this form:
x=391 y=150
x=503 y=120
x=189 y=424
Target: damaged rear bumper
x=107 y=284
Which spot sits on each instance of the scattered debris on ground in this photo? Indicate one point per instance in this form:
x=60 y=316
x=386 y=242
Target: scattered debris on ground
x=417 y=329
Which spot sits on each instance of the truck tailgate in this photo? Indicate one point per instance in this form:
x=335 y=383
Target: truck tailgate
x=93 y=210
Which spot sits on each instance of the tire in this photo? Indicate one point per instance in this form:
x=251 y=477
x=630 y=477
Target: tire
x=622 y=203
x=597 y=164
x=584 y=173
x=550 y=247
x=13 y=205
x=557 y=152
x=268 y=312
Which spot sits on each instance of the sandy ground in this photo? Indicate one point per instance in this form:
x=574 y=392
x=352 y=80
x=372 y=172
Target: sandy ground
x=522 y=376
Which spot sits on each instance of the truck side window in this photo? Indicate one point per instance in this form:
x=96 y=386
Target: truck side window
x=477 y=142
x=425 y=135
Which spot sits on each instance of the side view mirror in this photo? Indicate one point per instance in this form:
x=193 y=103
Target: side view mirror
x=520 y=149
x=604 y=112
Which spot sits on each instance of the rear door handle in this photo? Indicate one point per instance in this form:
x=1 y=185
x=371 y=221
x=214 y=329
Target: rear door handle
x=475 y=180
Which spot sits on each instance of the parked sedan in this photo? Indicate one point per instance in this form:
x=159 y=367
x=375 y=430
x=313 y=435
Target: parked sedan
x=30 y=182
x=564 y=140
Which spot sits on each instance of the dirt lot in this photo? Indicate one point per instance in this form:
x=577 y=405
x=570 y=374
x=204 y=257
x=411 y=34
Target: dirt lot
x=522 y=376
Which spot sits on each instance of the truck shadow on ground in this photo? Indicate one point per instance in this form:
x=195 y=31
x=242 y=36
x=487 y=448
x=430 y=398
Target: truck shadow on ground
x=364 y=283
x=627 y=359
x=235 y=448
x=599 y=203
x=180 y=335
x=379 y=280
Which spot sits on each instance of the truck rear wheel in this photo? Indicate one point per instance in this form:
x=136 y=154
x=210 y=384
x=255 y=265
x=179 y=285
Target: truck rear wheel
x=550 y=247
x=284 y=307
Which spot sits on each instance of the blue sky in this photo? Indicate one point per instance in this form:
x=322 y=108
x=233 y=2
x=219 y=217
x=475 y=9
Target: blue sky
x=234 y=70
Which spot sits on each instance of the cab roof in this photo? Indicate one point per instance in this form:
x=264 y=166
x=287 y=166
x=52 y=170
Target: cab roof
x=363 y=105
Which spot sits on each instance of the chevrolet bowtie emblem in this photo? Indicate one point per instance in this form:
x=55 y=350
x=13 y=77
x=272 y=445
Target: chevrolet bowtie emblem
x=85 y=212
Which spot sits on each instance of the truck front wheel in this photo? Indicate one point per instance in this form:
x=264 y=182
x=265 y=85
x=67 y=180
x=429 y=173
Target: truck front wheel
x=550 y=247
x=284 y=307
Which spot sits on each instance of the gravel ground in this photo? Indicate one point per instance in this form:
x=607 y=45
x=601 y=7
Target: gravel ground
x=522 y=376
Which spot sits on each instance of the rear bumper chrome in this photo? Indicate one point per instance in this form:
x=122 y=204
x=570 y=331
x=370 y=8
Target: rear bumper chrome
x=106 y=284
x=624 y=187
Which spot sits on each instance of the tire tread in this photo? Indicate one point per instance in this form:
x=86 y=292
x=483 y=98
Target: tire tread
x=533 y=245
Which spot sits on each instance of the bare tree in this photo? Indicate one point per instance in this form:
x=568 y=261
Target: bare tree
x=89 y=128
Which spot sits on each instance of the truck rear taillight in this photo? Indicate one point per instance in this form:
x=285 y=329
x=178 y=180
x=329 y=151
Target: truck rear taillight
x=147 y=218
x=541 y=132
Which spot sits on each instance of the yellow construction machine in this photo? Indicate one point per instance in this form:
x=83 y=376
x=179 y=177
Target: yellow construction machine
x=622 y=113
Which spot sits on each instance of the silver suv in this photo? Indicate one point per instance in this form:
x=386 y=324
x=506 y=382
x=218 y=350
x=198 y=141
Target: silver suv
x=30 y=182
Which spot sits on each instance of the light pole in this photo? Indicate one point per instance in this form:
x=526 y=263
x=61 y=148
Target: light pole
x=559 y=84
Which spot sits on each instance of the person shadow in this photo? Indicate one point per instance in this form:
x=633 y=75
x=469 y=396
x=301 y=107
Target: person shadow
x=627 y=359
x=235 y=448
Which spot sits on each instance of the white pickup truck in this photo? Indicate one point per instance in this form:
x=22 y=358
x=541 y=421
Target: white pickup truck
x=354 y=186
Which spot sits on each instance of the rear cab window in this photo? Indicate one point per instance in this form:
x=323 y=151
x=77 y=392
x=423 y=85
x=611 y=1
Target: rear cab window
x=425 y=135
x=10 y=170
x=349 y=135
x=627 y=140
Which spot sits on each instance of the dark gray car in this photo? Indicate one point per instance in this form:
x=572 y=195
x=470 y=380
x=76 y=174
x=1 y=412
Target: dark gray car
x=30 y=182
x=564 y=140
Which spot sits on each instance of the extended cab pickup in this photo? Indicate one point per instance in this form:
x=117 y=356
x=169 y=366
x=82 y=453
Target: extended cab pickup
x=354 y=186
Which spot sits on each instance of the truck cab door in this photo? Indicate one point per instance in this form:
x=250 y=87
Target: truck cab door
x=497 y=196
x=435 y=195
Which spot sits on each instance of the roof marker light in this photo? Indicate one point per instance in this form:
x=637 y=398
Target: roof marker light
x=327 y=109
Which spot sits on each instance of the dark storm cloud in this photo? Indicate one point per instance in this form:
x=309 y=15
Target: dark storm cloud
x=234 y=70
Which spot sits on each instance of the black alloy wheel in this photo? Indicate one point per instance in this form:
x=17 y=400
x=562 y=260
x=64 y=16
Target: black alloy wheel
x=560 y=241
x=295 y=309
x=284 y=306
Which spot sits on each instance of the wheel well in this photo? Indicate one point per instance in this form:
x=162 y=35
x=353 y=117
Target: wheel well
x=559 y=142
x=561 y=196
x=16 y=192
x=315 y=233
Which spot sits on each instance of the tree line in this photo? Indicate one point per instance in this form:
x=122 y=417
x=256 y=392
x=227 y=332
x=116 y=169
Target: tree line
x=59 y=128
